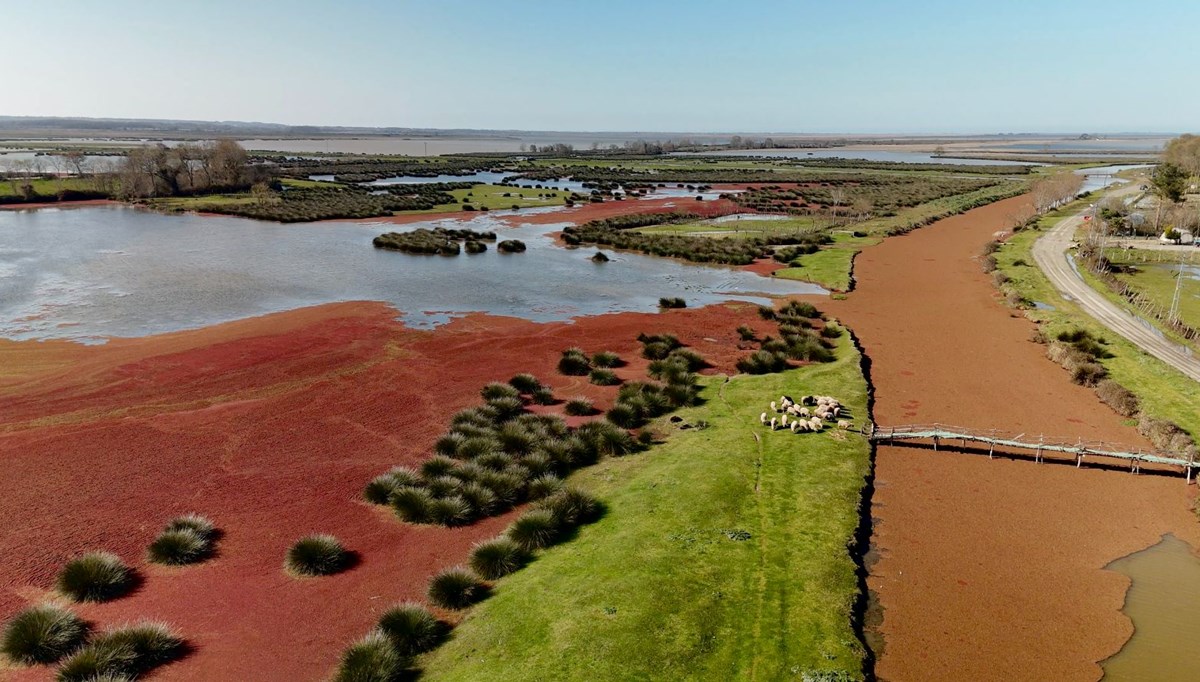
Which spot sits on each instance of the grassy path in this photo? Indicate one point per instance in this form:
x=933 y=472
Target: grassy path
x=723 y=556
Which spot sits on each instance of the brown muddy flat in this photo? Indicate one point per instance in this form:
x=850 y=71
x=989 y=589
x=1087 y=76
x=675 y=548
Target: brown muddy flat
x=990 y=569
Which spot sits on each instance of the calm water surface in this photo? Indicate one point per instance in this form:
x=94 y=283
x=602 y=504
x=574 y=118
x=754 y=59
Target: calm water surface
x=1164 y=604
x=90 y=273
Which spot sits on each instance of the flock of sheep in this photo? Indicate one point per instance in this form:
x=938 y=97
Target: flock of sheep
x=824 y=408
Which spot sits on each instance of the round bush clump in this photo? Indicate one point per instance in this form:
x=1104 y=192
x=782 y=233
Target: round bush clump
x=98 y=660
x=497 y=558
x=473 y=247
x=543 y=396
x=315 y=555
x=123 y=654
x=412 y=504
x=607 y=359
x=625 y=415
x=456 y=588
x=371 y=659
x=506 y=408
x=196 y=523
x=544 y=486
x=525 y=383
x=411 y=628
x=579 y=407
x=495 y=390
x=572 y=507
x=96 y=576
x=380 y=489
x=574 y=363
x=603 y=377
x=438 y=465
x=450 y=511
x=179 y=547
x=535 y=529
x=42 y=634
x=511 y=246
x=481 y=499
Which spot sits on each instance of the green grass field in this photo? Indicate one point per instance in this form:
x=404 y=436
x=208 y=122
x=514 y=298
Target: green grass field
x=721 y=557
x=492 y=198
x=831 y=266
x=1156 y=278
x=1165 y=393
x=45 y=187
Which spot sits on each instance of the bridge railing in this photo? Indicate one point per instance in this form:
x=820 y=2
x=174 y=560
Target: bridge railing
x=1039 y=443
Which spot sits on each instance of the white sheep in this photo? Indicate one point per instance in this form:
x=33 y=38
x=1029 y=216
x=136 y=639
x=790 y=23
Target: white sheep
x=795 y=425
x=773 y=420
x=786 y=401
x=773 y=408
x=803 y=412
x=814 y=424
x=783 y=421
x=843 y=425
x=802 y=426
x=763 y=417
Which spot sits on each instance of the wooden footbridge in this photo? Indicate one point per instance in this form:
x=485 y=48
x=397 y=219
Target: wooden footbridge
x=1080 y=449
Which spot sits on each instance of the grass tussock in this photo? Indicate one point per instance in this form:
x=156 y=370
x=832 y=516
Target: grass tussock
x=372 y=658
x=579 y=407
x=187 y=539
x=456 y=588
x=498 y=557
x=42 y=634
x=128 y=652
x=411 y=629
x=96 y=576
x=317 y=555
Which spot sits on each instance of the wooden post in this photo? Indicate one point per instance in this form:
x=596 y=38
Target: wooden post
x=935 y=443
x=1037 y=457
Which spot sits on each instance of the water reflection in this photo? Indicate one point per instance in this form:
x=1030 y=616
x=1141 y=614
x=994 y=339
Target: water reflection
x=88 y=273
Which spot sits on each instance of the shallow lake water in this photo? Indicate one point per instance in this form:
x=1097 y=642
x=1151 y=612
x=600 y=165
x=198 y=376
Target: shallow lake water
x=858 y=154
x=90 y=273
x=1164 y=604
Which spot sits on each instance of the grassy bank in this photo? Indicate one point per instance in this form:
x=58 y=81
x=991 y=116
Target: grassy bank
x=720 y=557
x=493 y=198
x=832 y=266
x=1164 y=393
x=1153 y=274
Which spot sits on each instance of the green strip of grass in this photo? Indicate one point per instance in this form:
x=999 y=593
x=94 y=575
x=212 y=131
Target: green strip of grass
x=831 y=266
x=1164 y=392
x=720 y=558
x=492 y=198
x=46 y=187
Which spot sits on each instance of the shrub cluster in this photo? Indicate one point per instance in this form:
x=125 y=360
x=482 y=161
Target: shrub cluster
x=1166 y=435
x=511 y=246
x=620 y=233
x=798 y=340
x=42 y=634
x=186 y=539
x=1078 y=352
x=438 y=241
x=306 y=204
x=123 y=654
x=316 y=555
x=96 y=576
x=579 y=407
x=574 y=362
x=1119 y=398
x=638 y=402
x=495 y=456
x=673 y=302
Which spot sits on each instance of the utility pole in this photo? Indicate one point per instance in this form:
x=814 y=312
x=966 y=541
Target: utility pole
x=1173 y=315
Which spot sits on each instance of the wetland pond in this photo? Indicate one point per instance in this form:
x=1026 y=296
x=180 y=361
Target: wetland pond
x=95 y=272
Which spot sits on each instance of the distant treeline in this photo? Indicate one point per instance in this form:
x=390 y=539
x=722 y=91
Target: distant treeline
x=306 y=204
x=367 y=170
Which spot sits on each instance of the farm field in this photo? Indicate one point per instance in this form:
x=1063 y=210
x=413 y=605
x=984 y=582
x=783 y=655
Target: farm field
x=724 y=552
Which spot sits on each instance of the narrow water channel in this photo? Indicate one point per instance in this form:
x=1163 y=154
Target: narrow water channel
x=1164 y=604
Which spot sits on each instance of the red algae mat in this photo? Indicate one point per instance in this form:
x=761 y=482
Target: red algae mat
x=270 y=426
x=990 y=569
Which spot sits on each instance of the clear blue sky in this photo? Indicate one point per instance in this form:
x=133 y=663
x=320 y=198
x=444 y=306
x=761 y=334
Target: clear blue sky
x=802 y=66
